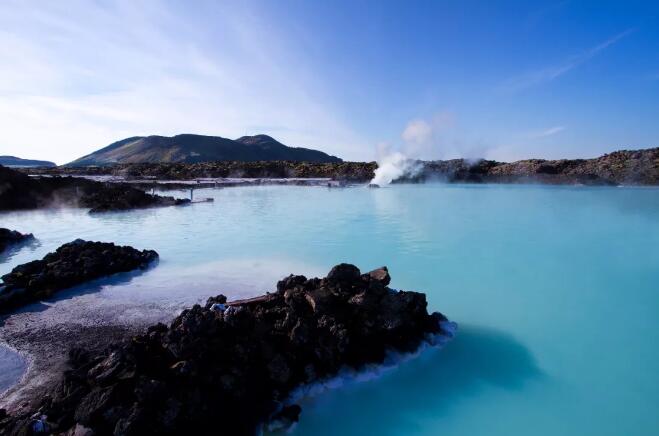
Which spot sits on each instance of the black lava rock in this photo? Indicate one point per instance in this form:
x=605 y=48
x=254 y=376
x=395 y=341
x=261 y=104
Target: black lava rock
x=72 y=264
x=10 y=237
x=20 y=191
x=229 y=367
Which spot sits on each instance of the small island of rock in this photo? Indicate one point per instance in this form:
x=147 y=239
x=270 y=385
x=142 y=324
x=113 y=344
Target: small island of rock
x=72 y=264
x=11 y=237
x=20 y=191
x=230 y=367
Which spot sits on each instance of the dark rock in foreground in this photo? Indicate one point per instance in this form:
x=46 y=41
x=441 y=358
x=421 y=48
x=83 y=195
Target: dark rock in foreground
x=72 y=264
x=228 y=368
x=10 y=237
x=19 y=191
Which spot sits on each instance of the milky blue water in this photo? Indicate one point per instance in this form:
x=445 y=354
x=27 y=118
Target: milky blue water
x=556 y=290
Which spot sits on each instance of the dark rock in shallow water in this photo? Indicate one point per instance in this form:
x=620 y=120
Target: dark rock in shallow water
x=229 y=367
x=10 y=237
x=20 y=191
x=119 y=197
x=285 y=418
x=72 y=264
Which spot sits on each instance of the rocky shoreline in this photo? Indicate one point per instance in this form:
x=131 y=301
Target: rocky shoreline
x=20 y=191
x=12 y=237
x=233 y=364
x=347 y=171
x=71 y=264
x=628 y=167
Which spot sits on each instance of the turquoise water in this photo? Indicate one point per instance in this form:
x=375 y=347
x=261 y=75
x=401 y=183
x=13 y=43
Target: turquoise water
x=556 y=290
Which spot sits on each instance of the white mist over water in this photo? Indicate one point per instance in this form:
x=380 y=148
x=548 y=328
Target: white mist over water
x=394 y=166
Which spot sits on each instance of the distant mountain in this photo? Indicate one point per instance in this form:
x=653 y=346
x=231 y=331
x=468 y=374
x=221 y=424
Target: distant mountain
x=198 y=148
x=13 y=161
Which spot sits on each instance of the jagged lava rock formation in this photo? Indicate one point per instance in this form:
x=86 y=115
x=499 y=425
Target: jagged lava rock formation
x=71 y=264
x=347 y=171
x=229 y=367
x=19 y=191
x=10 y=237
x=114 y=197
x=630 y=167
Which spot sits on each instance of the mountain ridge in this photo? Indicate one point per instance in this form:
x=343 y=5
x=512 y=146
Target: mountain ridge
x=192 y=148
x=13 y=161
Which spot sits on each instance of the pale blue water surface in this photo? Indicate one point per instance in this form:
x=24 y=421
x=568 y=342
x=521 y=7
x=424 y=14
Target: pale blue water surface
x=556 y=290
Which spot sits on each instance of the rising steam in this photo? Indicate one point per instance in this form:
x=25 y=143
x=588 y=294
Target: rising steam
x=394 y=166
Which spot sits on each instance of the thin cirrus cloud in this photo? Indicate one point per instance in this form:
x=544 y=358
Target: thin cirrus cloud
x=551 y=73
x=551 y=131
x=72 y=82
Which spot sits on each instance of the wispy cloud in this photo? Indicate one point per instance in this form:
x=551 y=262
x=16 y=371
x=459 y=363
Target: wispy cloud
x=546 y=132
x=417 y=131
x=441 y=136
x=425 y=137
x=550 y=73
x=70 y=82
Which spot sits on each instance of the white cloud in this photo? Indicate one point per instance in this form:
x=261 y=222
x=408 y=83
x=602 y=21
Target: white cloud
x=430 y=138
x=77 y=76
x=424 y=131
x=440 y=137
x=417 y=131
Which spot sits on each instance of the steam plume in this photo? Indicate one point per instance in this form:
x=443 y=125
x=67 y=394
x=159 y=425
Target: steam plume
x=394 y=166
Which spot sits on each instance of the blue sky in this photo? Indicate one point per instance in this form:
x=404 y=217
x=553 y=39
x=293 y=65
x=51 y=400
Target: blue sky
x=433 y=79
